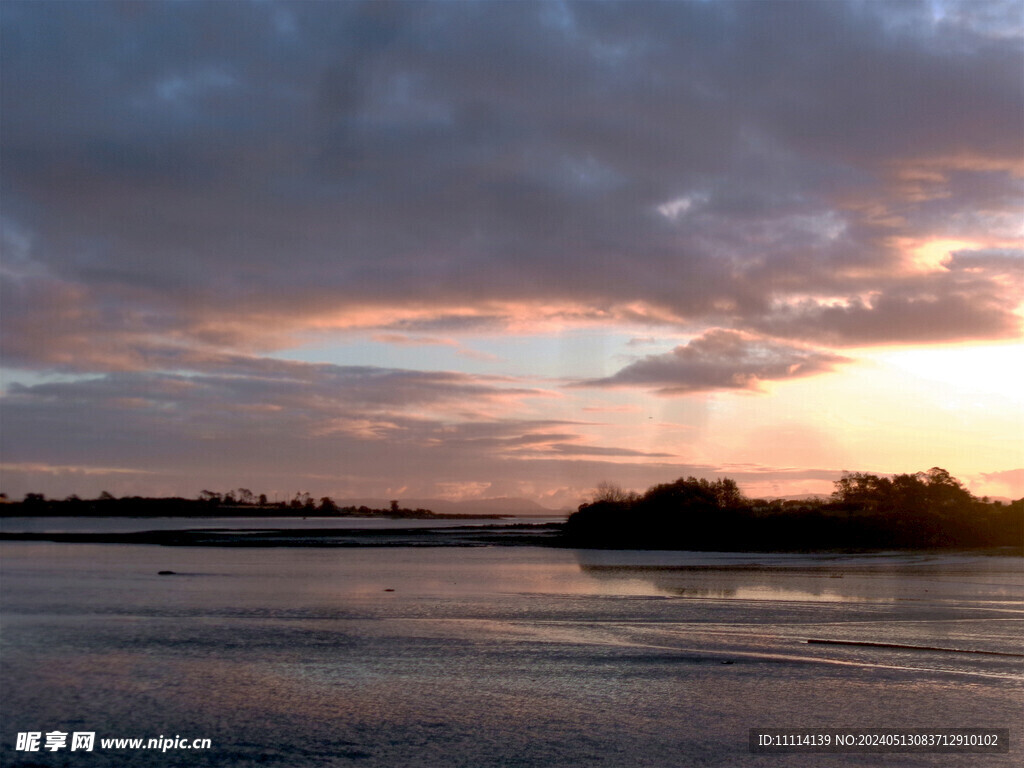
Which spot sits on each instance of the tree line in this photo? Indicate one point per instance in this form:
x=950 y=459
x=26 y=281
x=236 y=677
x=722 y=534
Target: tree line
x=924 y=510
x=241 y=502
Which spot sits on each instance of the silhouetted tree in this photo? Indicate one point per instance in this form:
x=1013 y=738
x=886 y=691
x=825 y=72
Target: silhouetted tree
x=607 y=491
x=211 y=498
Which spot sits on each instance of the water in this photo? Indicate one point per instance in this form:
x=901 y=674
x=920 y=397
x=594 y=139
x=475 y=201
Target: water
x=504 y=656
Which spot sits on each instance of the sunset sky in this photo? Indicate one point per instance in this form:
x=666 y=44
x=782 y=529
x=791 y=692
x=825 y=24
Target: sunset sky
x=480 y=249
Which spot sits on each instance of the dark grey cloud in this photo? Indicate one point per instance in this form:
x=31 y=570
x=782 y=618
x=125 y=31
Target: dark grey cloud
x=967 y=301
x=720 y=360
x=218 y=172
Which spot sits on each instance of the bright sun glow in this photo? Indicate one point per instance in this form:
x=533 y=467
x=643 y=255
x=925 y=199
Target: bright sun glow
x=930 y=255
x=995 y=369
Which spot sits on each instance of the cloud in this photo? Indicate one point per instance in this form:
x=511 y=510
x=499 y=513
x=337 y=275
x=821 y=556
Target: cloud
x=214 y=173
x=50 y=469
x=260 y=421
x=998 y=261
x=927 y=310
x=1010 y=481
x=192 y=188
x=278 y=426
x=720 y=359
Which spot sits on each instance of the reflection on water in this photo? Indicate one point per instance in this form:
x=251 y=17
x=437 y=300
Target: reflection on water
x=728 y=583
x=994 y=581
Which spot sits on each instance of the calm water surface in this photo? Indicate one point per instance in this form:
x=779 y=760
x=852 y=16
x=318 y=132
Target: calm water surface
x=505 y=656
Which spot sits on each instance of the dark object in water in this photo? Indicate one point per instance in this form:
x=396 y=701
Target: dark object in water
x=166 y=573
x=389 y=590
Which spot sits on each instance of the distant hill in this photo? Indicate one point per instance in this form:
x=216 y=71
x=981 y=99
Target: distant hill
x=498 y=506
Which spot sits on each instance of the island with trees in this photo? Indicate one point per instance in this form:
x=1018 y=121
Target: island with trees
x=925 y=510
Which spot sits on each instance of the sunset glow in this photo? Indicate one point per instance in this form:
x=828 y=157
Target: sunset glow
x=448 y=250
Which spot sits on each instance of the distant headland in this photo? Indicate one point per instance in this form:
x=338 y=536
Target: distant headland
x=240 y=503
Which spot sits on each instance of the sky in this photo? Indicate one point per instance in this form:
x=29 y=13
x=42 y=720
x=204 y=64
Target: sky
x=482 y=249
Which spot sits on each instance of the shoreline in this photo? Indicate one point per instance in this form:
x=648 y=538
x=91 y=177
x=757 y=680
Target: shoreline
x=512 y=535
x=521 y=534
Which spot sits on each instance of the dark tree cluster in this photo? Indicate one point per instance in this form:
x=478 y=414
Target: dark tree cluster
x=236 y=503
x=925 y=510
